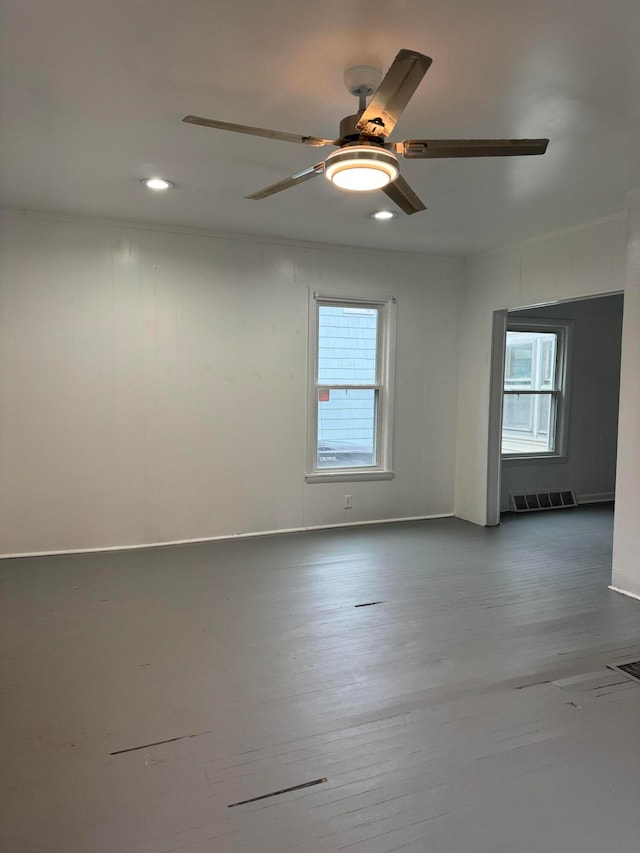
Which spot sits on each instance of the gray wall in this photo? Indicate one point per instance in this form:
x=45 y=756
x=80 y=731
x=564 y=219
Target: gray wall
x=626 y=535
x=585 y=261
x=154 y=384
x=590 y=468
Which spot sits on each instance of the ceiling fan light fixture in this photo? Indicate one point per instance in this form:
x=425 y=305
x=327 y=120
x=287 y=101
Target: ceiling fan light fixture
x=361 y=168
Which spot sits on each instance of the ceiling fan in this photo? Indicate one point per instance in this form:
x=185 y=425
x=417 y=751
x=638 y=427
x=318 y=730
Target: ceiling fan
x=365 y=160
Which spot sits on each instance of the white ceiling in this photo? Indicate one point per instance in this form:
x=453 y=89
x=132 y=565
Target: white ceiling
x=93 y=93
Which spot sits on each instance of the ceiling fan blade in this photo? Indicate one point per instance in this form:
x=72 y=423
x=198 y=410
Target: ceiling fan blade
x=292 y=181
x=401 y=193
x=393 y=94
x=432 y=148
x=316 y=141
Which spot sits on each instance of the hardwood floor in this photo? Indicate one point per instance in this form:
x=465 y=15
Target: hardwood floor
x=467 y=710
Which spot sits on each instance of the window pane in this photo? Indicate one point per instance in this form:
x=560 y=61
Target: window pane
x=347 y=428
x=347 y=345
x=519 y=360
x=530 y=361
x=527 y=423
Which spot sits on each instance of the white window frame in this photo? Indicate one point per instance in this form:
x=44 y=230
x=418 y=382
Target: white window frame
x=385 y=361
x=563 y=329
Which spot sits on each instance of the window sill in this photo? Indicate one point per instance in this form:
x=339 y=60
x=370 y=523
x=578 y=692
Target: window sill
x=347 y=476
x=555 y=458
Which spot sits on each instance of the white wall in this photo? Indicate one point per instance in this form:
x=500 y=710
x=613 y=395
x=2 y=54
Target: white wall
x=626 y=540
x=590 y=466
x=583 y=262
x=153 y=384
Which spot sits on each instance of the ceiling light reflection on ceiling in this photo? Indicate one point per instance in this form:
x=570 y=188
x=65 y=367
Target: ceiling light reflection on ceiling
x=361 y=168
x=157 y=184
x=383 y=215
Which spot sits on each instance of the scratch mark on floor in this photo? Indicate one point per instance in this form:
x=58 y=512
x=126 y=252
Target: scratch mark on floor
x=277 y=793
x=159 y=742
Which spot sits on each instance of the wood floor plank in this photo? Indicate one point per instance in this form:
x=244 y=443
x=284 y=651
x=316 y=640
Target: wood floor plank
x=472 y=709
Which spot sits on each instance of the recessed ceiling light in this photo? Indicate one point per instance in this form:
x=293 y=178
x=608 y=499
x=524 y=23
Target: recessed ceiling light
x=381 y=215
x=157 y=184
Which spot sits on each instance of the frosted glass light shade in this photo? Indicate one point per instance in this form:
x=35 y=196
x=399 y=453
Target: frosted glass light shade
x=361 y=168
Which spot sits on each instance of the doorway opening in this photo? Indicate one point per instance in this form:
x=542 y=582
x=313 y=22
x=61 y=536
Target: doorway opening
x=554 y=404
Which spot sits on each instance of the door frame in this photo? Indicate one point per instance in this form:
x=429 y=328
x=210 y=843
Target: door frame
x=498 y=347
x=494 y=454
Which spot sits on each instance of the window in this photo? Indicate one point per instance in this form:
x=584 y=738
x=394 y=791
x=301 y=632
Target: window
x=534 y=412
x=351 y=362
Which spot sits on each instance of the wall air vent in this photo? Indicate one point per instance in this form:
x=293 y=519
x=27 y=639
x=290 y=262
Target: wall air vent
x=542 y=500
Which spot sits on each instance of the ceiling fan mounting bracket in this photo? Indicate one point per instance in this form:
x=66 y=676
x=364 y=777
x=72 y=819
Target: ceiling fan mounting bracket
x=362 y=80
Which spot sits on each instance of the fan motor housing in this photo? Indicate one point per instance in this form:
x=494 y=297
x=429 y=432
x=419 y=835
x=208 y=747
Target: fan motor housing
x=350 y=133
x=348 y=129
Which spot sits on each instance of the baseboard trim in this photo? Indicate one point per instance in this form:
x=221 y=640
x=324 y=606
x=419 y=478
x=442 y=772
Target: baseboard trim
x=625 y=592
x=228 y=536
x=597 y=498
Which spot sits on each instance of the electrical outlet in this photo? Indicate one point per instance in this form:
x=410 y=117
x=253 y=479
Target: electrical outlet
x=347 y=502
